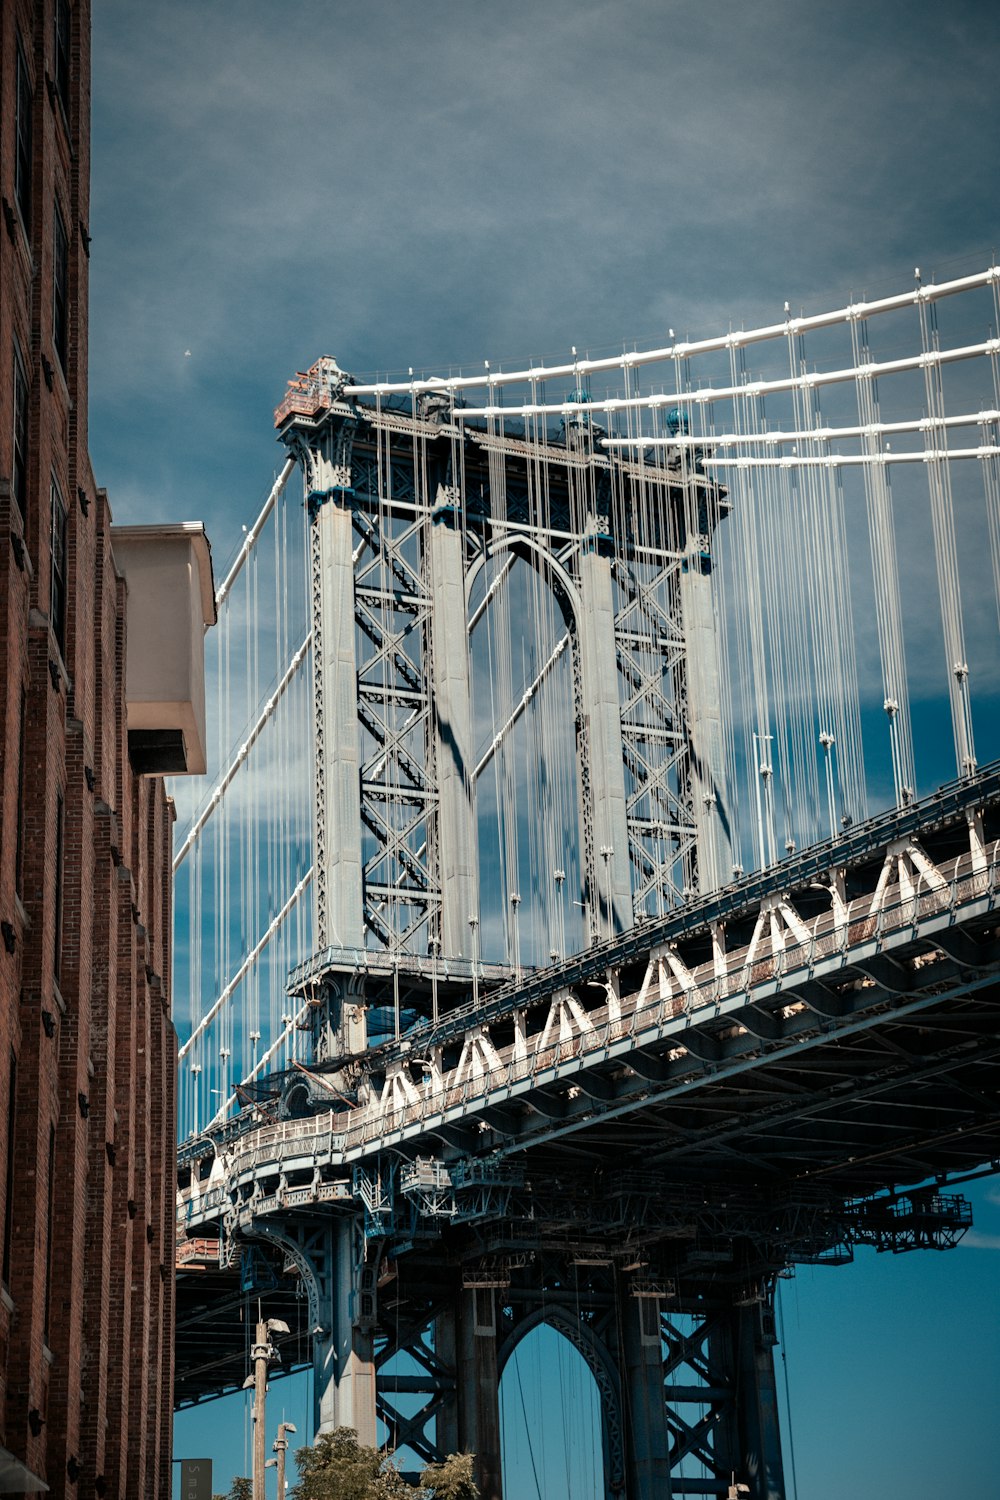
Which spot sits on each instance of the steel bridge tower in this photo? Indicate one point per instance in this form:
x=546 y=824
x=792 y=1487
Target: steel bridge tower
x=406 y=509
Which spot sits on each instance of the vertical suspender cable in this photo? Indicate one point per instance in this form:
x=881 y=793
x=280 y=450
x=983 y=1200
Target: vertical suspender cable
x=945 y=554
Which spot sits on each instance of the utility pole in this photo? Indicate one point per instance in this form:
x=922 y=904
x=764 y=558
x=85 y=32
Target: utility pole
x=261 y=1353
x=280 y=1446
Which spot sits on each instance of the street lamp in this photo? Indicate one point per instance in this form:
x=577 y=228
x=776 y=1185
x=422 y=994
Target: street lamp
x=281 y=1448
x=261 y=1353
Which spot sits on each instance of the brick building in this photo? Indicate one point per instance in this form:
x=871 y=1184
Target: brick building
x=87 y=1048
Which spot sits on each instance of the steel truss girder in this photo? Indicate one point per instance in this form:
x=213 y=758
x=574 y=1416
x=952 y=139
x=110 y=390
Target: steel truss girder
x=788 y=1068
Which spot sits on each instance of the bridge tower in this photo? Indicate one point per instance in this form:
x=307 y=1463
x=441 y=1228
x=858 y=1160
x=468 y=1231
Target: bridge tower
x=407 y=508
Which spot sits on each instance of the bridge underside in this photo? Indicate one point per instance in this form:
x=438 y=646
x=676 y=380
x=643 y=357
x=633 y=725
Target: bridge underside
x=758 y=1165
x=910 y=1095
x=216 y=1312
x=642 y=1152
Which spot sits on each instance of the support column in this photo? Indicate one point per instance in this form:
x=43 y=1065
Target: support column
x=706 y=748
x=339 y=871
x=758 y=1403
x=612 y=898
x=748 y=1441
x=456 y=831
x=339 y=1025
x=465 y=1339
x=647 y=1445
x=343 y=1357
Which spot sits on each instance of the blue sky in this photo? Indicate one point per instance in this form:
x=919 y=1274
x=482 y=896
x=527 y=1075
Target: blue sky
x=430 y=185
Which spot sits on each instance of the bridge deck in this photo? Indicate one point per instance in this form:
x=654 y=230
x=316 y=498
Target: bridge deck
x=814 y=1037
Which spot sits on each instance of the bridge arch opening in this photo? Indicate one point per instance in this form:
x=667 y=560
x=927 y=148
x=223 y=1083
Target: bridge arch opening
x=553 y=1421
x=522 y=619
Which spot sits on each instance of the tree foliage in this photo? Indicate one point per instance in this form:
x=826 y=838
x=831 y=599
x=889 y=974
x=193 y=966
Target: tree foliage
x=451 y=1480
x=240 y=1489
x=338 y=1467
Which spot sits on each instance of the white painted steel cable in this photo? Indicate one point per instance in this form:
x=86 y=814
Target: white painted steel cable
x=227 y=778
x=680 y=350
x=244 y=968
x=709 y=395
x=946 y=558
x=991 y=468
x=852 y=460
x=289 y=1029
x=885 y=569
x=769 y=438
x=238 y=867
x=250 y=540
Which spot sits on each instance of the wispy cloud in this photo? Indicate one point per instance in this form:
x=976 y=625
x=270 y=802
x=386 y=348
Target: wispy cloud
x=976 y=1240
x=409 y=185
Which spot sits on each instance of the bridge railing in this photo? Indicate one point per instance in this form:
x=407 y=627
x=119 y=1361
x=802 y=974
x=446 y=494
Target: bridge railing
x=857 y=843
x=326 y=1138
x=636 y=1013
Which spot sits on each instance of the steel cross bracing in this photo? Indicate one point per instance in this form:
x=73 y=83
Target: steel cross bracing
x=651 y=653
x=612 y=542
x=649 y=1136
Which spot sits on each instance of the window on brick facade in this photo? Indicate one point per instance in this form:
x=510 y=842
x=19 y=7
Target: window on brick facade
x=50 y=1214
x=8 y=1201
x=57 y=925
x=61 y=53
x=19 y=478
x=19 y=846
x=57 y=593
x=22 y=136
x=60 y=286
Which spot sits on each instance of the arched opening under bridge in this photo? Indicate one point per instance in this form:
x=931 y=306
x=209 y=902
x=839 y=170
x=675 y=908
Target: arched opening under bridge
x=552 y=1423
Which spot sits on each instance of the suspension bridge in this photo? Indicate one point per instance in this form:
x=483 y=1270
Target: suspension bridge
x=583 y=922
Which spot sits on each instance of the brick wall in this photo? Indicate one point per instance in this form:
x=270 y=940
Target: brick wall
x=86 y=1309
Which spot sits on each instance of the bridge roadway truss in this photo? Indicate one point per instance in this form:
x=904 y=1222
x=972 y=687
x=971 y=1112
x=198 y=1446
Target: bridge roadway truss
x=631 y=1146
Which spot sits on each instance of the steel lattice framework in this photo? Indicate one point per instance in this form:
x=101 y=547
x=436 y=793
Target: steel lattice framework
x=409 y=511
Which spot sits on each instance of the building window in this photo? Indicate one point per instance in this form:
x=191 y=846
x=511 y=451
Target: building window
x=57 y=599
x=22 y=135
x=19 y=846
x=60 y=286
x=57 y=925
x=8 y=1201
x=62 y=54
x=50 y=1215
x=20 y=474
